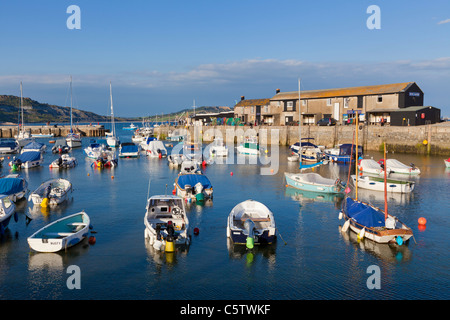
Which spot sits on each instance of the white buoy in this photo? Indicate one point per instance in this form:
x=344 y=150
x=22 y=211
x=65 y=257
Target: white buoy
x=340 y=215
x=345 y=226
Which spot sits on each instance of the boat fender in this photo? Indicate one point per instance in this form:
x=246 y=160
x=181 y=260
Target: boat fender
x=399 y=240
x=345 y=226
x=340 y=215
x=250 y=242
x=361 y=234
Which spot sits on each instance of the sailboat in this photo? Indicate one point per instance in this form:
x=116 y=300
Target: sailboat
x=369 y=221
x=73 y=139
x=111 y=138
x=23 y=137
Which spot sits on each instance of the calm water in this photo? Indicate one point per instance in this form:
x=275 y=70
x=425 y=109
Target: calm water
x=311 y=259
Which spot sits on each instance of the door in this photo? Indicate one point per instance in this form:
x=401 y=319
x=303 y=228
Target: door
x=336 y=111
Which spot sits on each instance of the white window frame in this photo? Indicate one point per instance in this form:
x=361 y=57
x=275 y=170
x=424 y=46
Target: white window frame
x=346 y=102
x=329 y=102
x=290 y=106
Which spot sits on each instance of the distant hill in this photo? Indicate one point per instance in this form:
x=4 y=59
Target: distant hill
x=36 y=112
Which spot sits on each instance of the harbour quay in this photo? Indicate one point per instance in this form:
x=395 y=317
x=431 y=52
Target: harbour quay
x=425 y=139
x=88 y=130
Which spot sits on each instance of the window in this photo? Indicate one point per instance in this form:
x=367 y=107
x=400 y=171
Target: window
x=346 y=102
x=329 y=102
x=266 y=108
x=252 y=109
x=380 y=99
x=290 y=106
x=303 y=102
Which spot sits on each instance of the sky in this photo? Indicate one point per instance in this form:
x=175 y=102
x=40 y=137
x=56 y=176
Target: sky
x=160 y=56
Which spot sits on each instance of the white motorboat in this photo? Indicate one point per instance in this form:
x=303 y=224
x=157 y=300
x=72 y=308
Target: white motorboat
x=61 y=146
x=61 y=234
x=94 y=150
x=129 y=150
x=377 y=184
x=9 y=146
x=166 y=222
x=142 y=134
x=34 y=146
x=27 y=160
x=154 y=148
x=175 y=160
x=14 y=186
x=51 y=192
x=218 y=148
x=251 y=222
x=190 y=166
x=397 y=167
x=250 y=146
x=7 y=210
x=63 y=162
x=372 y=167
x=193 y=187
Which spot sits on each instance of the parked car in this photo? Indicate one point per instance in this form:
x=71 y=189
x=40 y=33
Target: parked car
x=327 y=122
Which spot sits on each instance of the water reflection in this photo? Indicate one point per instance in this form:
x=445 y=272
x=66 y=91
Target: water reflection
x=310 y=196
x=239 y=252
x=160 y=258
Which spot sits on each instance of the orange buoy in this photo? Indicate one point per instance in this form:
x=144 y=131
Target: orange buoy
x=112 y=177
x=88 y=174
x=421 y=227
x=422 y=221
x=92 y=240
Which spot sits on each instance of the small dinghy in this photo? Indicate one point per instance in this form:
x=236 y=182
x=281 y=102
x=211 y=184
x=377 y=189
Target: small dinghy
x=396 y=166
x=60 y=234
x=61 y=146
x=51 y=192
x=377 y=184
x=63 y=162
x=14 y=186
x=372 y=167
x=7 y=210
x=26 y=160
x=166 y=222
x=251 y=222
x=313 y=182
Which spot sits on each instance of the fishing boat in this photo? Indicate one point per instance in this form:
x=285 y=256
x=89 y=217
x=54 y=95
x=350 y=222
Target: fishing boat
x=447 y=163
x=61 y=146
x=371 y=167
x=63 y=162
x=313 y=182
x=345 y=150
x=7 y=210
x=27 y=160
x=42 y=135
x=73 y=139
x=166 y=222
x=94 y=150
x=130 y=127
x=218 y=148
x=377 y=184
x=61 y=234
x=14 y=186
x=370 y=222
x=251 y=223
x=128 y=150
x=250 y=146
x=9 y=146
x=111 y=139
x=154 y=148
x=395 y=166
x=23 y=137
x=34 y=146
x=51 y=192
x=193 y=187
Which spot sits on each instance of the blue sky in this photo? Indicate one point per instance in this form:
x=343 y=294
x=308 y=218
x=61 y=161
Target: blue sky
x=161 y=55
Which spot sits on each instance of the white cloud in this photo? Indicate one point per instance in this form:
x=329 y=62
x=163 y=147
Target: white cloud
x=444 y=21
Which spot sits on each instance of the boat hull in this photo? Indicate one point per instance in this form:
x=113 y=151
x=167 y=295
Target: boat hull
x=301 y=185
x=372 y=183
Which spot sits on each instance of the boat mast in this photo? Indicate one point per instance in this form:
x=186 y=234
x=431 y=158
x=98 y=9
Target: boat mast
x=299 y=127
x=385 y=186
x=71 y=131
x=356 y=157
x=112 y=111
x=21 y=109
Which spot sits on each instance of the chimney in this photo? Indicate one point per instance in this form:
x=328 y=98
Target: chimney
x=277 y=91
x=242 y=98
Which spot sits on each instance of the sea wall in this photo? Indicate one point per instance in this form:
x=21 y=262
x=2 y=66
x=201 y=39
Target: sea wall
x=58 y=131
x=427 y=139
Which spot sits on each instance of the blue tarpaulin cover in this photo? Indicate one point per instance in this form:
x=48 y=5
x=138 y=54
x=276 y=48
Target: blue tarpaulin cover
x=129 y=148
x=29 y=156
x=34 y=145
x=193 y=179
x=364 y=214
x=10 y=186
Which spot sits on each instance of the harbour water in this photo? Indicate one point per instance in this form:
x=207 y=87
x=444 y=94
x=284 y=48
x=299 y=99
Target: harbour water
x=311 y=259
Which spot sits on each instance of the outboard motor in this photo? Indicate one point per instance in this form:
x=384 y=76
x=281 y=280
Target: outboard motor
x=249 y=231
x=188 y=189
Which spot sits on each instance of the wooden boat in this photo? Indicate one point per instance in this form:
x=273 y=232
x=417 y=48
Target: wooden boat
x=251 y=223
x=27 y=160
x=395 y=166
x=7 y=210
x=14 y=186
x=313 y=182
x=166 y=222
x=370 y=222
x=61 y=234
x=372 y=167
x=51 y=192
x=193 y=187
x=377 y=184
x=63 y=162
x=128 y=150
